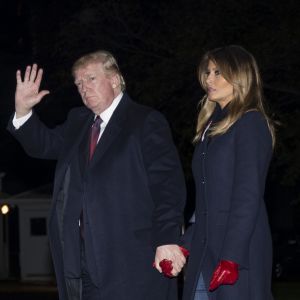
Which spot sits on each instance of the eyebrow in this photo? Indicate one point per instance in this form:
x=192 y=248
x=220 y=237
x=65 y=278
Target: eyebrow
x=85 y=75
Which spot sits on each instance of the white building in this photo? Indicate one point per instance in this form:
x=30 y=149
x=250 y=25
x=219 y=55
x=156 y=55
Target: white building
x=24 y=247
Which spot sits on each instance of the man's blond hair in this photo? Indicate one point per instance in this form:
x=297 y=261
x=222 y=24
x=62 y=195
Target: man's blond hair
x=108 y=61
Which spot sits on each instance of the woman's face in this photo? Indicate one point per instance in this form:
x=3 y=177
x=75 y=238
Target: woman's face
x=218 y=89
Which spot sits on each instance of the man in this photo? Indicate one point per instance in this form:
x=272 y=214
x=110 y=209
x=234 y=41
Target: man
x=119 y=189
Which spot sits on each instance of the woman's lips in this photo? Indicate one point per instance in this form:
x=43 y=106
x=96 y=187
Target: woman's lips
x=211 y=90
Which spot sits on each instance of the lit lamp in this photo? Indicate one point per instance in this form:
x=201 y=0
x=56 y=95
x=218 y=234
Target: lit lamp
x=5 y=209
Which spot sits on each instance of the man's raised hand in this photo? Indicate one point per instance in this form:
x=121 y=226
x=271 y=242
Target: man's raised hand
x=27 y=91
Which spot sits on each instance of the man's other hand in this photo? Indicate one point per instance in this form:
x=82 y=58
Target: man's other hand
x=172 y=256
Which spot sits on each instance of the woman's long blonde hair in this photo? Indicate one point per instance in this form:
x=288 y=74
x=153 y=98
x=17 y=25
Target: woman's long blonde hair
x=239 y=68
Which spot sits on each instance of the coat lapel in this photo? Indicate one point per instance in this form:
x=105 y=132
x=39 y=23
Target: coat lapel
x=80 y=130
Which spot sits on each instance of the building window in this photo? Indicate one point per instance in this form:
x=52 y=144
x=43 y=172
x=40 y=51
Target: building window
x=38 y=226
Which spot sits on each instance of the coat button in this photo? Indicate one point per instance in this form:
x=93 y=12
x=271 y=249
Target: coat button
x=203 y=182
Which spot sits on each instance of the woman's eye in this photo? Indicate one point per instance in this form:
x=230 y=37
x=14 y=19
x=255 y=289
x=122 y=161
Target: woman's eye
x=217 y=72
x=206 y=74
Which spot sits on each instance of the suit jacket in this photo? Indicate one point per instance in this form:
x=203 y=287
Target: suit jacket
x=231 y=219
x=132 y=191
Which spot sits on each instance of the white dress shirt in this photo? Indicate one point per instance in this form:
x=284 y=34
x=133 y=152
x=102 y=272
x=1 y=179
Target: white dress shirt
x=106 y=114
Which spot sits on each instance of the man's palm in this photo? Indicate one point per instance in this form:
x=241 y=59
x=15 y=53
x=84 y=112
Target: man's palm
x=27 y=91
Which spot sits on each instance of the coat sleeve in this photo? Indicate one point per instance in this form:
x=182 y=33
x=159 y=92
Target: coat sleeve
x=165 y=180
x=253 y=150
x=38 y=140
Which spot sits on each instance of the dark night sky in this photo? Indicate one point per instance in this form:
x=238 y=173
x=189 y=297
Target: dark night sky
x=158 y=45
x=21 y=171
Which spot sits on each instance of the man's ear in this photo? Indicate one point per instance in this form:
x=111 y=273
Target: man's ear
x=115 y=80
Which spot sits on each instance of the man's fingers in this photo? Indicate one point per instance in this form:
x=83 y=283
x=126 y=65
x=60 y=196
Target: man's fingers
x=18 y=76
x=174 y=255
x=39 y=77
x=27 y=73
x=178 y=265
x=41 y=94
x=176 y=270
x=181 y=258
x=158 y=268
x=32 y=74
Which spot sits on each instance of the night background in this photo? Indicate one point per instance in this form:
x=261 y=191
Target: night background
x=158 y=45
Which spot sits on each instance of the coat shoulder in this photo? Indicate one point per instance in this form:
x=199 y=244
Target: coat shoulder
x=252 y=115
x=252 y=120
x=78 y=111
x=253 y=126
x=140 y=114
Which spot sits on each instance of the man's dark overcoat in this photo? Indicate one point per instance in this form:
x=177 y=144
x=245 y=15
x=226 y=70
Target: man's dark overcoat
x=132 y=195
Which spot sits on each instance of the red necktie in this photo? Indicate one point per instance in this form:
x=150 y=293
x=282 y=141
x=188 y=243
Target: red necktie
x=95 y=131
x=94 y=135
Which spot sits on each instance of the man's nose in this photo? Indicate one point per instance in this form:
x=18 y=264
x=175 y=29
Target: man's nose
x=83 y=87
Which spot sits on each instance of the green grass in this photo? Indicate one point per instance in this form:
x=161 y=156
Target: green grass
x=286 y=290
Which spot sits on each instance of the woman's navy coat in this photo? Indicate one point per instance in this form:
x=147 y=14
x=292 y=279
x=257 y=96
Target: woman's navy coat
x=231 y=220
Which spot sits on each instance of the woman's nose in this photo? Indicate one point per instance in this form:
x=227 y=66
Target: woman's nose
x=209 y=78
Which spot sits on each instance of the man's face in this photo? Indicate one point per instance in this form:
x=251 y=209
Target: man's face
x=96 y=88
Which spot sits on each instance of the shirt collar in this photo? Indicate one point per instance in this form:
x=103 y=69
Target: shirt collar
x=106 y=114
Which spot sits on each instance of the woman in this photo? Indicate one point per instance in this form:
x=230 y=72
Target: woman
x=230 y=242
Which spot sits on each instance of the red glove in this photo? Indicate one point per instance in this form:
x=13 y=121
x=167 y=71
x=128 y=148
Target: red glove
x=166 y=267
x=226 y=273
x=184 y=251
x=166 y=264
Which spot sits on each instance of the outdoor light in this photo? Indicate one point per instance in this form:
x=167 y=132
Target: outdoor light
x=4 y=209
